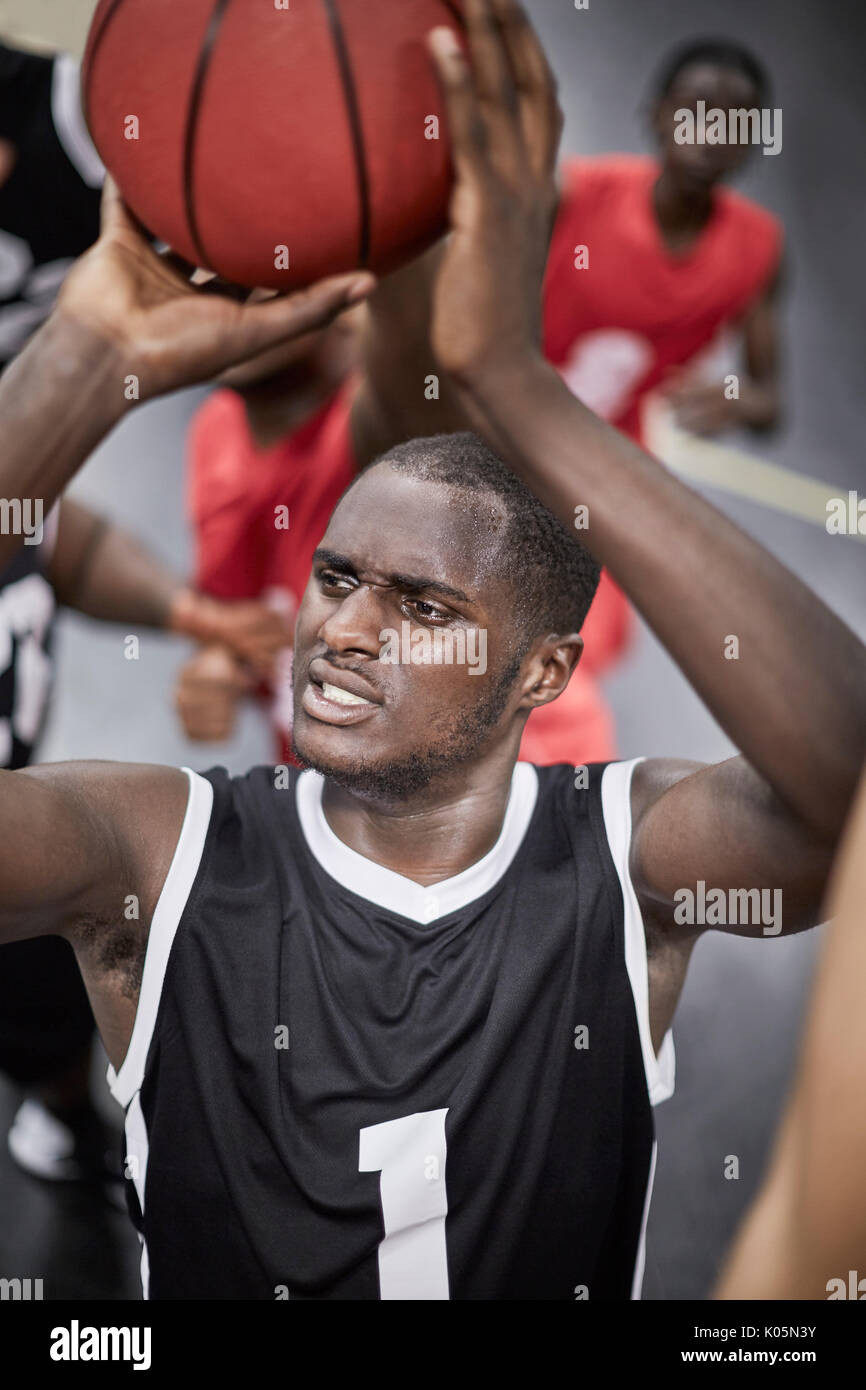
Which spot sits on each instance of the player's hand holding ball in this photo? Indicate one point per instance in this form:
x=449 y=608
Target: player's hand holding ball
x=505 y=123
x=169 y=332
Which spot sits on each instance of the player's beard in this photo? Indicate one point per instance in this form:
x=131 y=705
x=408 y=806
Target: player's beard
x=455 y=739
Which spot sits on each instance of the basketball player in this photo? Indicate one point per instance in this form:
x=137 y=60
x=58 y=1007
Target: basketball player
x=651 y=259
x=50 y=189
x=805 y=1235
x=393 y=1028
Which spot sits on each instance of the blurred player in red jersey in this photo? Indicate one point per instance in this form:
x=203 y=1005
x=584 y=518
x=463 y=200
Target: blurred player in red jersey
x=672 y=259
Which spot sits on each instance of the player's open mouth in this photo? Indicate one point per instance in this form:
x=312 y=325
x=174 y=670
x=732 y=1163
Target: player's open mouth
x=334 y=704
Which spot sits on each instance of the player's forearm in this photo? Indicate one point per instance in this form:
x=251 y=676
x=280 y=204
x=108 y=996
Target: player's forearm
x=403 y=392
x=124 y=583
x=782 y=675
x=58 y=400
x=121 y=581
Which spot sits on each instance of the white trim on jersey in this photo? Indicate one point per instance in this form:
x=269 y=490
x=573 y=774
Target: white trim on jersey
x=640 y=1259
x=616 y=806
x=403 y=895
x=126 y=1083
x=69 y=120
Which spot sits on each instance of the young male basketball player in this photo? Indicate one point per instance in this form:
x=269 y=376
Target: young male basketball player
x=394 y=1028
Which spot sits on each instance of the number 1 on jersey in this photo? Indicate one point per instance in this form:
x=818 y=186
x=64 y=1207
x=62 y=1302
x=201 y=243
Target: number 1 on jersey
x=410 y=1154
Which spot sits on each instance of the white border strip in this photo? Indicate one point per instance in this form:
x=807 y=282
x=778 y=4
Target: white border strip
x=616 y=806
x=172 y=900
x=640 y=1259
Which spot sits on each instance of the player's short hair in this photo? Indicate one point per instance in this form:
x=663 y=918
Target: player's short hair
x=723 y=53
x=552 y=576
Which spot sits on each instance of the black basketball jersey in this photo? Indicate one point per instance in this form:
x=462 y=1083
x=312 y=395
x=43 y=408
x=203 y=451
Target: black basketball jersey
x=344 y=1085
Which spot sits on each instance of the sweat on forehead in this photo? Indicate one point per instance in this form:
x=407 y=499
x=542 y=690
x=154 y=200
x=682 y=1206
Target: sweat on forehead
x=400 y=521
x=451 y=494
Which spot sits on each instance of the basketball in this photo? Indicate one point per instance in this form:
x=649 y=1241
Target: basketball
x=274 y=144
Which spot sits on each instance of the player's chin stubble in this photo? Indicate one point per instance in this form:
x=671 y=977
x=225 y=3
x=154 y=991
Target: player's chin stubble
x=457 y=739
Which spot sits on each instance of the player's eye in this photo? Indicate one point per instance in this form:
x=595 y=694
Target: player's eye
x=332 y=582
x=427 y=612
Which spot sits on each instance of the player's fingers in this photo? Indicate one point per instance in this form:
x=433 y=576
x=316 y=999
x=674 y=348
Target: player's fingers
x=225 y=289
x=174 y=261
x=114 y=215
x=535 y=82
x=466 y=126
x=494 y=81
x=264 y=325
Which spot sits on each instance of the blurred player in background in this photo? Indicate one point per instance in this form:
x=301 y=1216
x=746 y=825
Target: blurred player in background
x=50 y=191
x=672 y=258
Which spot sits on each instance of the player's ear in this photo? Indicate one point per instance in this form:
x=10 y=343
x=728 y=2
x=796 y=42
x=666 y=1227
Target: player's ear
x=549 y=668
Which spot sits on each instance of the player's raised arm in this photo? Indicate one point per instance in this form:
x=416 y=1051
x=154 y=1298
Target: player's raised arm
x=745 y=631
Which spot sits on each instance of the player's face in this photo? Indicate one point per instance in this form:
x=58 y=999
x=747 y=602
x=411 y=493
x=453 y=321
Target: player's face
x=699 y=166
x=403 y=566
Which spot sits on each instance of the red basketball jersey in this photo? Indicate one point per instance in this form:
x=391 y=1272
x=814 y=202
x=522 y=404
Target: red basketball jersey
x=235 y=493
x=615 y=327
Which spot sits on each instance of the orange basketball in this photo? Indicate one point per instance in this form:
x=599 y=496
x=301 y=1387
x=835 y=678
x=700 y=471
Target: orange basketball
x=274 y=141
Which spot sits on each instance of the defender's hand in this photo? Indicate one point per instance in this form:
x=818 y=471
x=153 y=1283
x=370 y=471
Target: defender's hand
x=209 y=689
x=171 y=333
x=505 y=123
x=253 y=632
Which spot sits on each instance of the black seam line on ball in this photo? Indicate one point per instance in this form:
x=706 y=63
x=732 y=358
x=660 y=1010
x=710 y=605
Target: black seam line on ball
x=454 y=13
x=109 y=15
x=198 y=86
x=353 y=111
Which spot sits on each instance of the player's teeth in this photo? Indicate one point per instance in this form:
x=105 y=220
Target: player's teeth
x=342 y=697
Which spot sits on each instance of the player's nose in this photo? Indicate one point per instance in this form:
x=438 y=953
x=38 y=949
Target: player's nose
x=355 y=623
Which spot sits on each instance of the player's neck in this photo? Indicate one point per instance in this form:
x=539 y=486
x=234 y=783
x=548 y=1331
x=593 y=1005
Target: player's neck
x=431 y=837
x=680 y=213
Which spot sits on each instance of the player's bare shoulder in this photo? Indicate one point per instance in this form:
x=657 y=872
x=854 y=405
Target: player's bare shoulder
x=111 y=831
